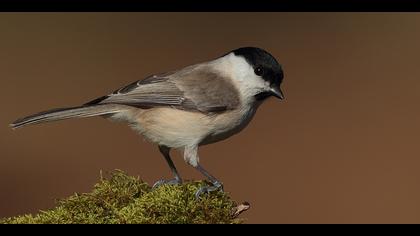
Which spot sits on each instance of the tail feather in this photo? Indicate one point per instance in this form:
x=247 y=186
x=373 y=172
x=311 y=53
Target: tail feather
x=66 y=113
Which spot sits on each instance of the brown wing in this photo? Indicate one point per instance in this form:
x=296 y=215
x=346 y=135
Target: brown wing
x=192 y=89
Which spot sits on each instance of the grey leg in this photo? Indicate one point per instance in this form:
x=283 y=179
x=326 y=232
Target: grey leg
x=177 y=179
x=191 y=157
x=216 y=184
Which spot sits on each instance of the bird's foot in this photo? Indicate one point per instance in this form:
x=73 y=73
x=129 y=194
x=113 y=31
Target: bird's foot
x=208 y=189
x=174 y=181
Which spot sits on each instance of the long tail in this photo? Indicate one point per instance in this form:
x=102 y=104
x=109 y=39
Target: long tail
x=66 y=113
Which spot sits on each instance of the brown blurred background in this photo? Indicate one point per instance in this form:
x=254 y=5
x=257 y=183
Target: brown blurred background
x=342 y=148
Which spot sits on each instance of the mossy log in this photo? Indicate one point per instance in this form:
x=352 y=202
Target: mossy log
x=123 y=199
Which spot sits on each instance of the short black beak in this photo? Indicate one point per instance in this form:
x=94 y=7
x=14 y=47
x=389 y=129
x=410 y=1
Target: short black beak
x=276 y=92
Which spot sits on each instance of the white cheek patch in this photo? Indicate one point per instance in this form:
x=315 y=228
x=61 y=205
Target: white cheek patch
x=243 y=75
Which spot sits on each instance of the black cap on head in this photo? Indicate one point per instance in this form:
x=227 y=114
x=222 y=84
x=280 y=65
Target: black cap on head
x=264 y=64
x=259 y=58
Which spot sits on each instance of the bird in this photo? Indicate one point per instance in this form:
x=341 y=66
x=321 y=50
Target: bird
x=183 y=109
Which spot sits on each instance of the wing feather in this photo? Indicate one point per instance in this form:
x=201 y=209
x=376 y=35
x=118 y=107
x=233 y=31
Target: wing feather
x=197 y=90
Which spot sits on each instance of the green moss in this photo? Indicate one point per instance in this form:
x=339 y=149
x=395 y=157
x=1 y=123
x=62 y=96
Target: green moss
x=124 y=199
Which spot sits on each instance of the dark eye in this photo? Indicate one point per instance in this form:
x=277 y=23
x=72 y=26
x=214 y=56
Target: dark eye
x=259 y=71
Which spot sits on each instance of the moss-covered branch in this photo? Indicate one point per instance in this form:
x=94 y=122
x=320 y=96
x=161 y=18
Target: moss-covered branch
x=124 y=199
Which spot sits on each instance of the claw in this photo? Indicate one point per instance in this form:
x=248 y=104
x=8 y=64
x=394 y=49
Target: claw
x=208 y=189
x=174 y=181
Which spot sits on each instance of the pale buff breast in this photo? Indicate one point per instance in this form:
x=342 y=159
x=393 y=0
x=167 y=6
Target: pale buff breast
x=172 y=127
x=178 y=128
x=229 y=123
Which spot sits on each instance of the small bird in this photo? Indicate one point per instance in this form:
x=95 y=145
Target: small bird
x=197 y=105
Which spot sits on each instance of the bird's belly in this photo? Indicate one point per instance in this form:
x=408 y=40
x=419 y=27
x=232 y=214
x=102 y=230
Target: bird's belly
x=172 y=127
x=178 y=128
